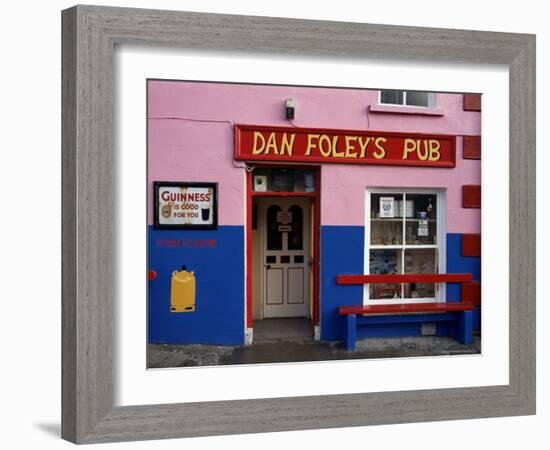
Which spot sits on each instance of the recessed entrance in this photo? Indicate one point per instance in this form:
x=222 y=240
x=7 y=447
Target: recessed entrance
x=291 y=329
x=282 y=238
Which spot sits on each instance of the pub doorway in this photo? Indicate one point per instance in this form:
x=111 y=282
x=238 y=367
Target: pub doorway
x=283 y=238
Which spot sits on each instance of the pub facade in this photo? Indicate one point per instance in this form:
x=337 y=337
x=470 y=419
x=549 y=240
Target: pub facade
x=280 y=202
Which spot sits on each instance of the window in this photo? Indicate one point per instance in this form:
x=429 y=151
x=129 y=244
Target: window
x=274 y=236
x=404 y=234
x=408 y=98
x=296 y=234
x=284 y=180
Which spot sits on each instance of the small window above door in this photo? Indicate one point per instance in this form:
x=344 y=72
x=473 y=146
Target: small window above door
x=283 y=180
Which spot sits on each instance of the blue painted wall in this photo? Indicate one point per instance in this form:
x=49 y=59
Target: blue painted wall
x=217 y=258
x=342 y=250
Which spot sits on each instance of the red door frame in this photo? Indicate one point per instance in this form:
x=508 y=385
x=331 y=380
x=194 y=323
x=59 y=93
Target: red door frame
x=316 y=199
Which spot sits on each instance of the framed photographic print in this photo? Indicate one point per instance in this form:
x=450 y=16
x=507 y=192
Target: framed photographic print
x=384 y=259
x=305 y=224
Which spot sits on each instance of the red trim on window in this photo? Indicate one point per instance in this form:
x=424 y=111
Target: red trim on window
x=405 y=278
x=471 y=196
x=284 y=194
x=471 y=244
x=472 y=102
x=471 y=293
x=471 y=148
x=317 y=248
x=248 y=249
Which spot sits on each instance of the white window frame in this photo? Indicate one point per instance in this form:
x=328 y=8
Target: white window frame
x=432 y=103
x=441 y=210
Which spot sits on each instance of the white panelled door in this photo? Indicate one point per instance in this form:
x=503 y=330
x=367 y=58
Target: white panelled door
x=286 y=240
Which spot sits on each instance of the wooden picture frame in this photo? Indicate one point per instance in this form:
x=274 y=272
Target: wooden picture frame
x=89 y=37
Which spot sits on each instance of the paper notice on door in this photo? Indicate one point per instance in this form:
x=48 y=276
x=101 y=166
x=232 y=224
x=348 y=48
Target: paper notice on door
x=284 y=217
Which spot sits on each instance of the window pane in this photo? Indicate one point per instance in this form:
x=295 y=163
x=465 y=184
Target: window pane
x=391 y=96
x=421 y=260
x=274 y=236
x=384 y=262
x=417 y=98
x=296 y=235
x=283 y=180
x=304 y=181
x=386 y=219
x=421 y=219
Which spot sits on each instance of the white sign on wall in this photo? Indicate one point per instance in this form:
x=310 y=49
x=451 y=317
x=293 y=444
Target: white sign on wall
x=185 y=205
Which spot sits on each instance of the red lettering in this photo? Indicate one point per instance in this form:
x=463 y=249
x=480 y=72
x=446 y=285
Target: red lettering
x=167 y=196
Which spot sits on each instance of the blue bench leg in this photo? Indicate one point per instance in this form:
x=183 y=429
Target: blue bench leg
x=464 y=327
x=351 y=329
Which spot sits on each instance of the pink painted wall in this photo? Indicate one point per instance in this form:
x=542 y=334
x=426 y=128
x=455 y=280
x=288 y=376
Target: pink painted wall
x=191 y=139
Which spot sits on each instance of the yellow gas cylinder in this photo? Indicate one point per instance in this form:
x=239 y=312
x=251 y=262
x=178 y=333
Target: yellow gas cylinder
x=182 y=294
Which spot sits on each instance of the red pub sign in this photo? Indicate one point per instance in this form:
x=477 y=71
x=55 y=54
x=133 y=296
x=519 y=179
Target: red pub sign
x=313 y=145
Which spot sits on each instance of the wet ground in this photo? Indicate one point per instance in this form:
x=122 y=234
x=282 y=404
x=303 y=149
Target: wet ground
x=299 y=349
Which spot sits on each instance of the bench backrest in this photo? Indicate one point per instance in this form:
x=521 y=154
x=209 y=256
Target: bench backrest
x=405 y=278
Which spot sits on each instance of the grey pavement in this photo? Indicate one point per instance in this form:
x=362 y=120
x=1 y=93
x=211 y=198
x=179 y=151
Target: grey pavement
x=300 y=349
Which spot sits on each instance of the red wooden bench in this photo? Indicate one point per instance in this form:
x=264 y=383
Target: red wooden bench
x=459 y=312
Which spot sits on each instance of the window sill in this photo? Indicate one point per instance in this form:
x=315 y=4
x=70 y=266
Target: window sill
x=402 y=301
x=391 y=109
